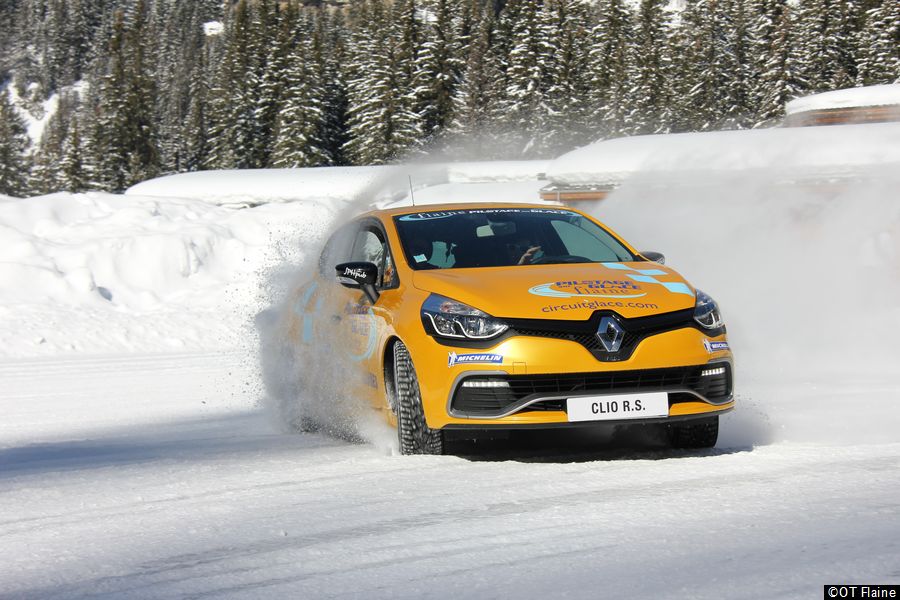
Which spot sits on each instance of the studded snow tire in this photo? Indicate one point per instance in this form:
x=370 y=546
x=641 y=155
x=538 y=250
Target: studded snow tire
x=413 y=432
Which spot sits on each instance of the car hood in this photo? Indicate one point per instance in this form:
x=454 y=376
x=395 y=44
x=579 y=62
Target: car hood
x=563 y=291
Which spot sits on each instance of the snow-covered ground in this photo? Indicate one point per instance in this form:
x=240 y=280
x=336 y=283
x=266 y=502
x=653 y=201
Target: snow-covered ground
x=138 y=460
x=157 y=477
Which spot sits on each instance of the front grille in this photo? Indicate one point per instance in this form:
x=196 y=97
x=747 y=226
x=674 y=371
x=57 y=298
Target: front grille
x=584 y=332
x=522 y=388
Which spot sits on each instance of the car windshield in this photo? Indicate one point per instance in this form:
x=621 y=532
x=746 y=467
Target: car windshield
x=503 y=237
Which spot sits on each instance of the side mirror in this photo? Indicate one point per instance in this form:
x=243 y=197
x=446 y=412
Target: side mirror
x=359 y=276
x=655 y=257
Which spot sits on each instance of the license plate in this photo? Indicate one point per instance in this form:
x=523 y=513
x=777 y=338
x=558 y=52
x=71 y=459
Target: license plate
x=619 y=406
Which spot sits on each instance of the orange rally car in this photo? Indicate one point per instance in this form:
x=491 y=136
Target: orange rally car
x=486 y=316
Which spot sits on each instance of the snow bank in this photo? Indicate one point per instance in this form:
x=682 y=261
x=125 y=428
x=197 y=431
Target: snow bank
x=873 y=95
x=175 y=263
x=104 y=273
x=834 y=151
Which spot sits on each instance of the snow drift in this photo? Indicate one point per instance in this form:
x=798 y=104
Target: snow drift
x=104 y=273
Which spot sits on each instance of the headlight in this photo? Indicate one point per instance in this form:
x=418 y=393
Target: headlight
x=453 y=319
x=706 y=312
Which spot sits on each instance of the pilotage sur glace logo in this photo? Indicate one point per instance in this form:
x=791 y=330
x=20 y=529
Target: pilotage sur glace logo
x=595 y=294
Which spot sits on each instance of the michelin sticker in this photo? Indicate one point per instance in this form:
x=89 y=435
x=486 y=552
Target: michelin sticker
x=715 y=346
x=464 y=359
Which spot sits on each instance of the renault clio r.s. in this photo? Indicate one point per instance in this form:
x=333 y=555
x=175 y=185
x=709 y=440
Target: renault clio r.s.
x=499 y=316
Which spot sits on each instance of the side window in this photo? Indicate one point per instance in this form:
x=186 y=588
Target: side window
x=370 y=246
x=579 y=242
x=336 y=251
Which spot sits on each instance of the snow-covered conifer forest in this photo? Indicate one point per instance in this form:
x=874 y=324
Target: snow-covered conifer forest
x=101 y=94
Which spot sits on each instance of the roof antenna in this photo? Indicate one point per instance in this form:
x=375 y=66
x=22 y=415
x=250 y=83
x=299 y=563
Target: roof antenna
x=411 y=195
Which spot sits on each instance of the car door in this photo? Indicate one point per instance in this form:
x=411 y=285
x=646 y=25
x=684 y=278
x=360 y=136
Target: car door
x=359 y=325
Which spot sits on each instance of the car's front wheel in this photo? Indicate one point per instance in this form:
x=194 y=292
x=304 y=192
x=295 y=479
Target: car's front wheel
x=699 y=433
x=412 y=431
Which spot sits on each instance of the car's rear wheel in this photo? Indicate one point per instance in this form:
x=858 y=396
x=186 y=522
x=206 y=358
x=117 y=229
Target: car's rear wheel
x=699 y=433
x=412 y=431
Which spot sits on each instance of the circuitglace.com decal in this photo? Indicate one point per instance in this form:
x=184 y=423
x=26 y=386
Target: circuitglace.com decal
x=712 y=346
x=597 y=304
x=465 y=359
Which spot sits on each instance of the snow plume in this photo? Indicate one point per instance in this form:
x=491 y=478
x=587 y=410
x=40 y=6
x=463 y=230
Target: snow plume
x=308 y=385
x=808 y=279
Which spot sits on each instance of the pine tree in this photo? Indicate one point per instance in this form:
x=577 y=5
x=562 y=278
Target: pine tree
x=124 y=139
x=232 y=109
x=713 y=69
x=649 y=99
x=612 y=40
x=828 y=43
x=473 y=128
x=568 y=90
x=438 y=67
x=73 y=174
x=879 y=60
x=13 y=148
x=271 y=41
x=301 y=126
x=331 y=34
x=527 y=79
x=780 y=78
x=46 y=170
x=382 y=119
x=180 y=61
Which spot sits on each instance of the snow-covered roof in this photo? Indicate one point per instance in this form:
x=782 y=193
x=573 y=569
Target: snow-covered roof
x=839 y=150
x=497 y=170
x=873 y=95
x=259 y=186
x=495 y=191
x=382 y=183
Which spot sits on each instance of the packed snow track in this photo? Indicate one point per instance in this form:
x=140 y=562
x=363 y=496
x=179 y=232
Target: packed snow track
x=157 y=476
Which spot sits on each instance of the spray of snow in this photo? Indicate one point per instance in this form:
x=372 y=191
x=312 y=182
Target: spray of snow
x=307 y=384
x=808 y=279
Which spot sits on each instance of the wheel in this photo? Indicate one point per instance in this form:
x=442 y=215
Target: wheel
x=413 y=433
x=701 y=433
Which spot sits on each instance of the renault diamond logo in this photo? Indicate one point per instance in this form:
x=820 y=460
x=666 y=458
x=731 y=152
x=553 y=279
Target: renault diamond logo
x=610 y=334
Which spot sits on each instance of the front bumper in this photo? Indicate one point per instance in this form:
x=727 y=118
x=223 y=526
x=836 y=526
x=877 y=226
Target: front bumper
x=542 y=373
x=485 y=395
